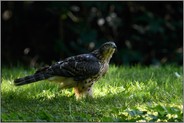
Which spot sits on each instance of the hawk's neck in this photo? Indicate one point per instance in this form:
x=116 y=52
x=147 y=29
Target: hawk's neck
x=103 y=58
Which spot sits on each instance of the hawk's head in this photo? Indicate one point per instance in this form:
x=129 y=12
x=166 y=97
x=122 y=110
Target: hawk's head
x=106 y=51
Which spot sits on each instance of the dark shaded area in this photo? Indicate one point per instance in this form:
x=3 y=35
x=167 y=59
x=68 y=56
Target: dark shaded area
x=146 y=33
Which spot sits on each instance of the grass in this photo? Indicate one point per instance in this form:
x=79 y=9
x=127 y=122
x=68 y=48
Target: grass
x=124 y=94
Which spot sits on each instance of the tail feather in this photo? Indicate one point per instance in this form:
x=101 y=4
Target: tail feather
x=30 y=79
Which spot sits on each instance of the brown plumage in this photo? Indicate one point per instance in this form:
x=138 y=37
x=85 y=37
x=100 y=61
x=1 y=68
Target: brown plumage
x=79 y=72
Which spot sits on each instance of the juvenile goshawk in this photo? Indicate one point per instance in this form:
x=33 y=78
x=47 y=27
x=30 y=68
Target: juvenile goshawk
x=78 y=72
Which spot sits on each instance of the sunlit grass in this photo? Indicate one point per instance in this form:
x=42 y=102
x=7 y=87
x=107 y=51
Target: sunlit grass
x=124 y=94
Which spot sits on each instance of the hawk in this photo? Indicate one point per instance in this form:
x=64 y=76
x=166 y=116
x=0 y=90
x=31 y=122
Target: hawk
x=78 y=72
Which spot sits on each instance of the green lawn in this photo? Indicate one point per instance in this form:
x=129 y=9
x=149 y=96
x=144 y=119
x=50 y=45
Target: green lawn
x=124 y=94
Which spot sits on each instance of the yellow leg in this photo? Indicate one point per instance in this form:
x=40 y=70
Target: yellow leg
x=82 y=92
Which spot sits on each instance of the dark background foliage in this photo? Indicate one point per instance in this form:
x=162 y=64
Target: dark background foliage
x=146 y=33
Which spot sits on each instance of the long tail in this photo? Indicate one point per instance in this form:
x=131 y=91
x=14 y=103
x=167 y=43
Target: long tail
x=31 y=79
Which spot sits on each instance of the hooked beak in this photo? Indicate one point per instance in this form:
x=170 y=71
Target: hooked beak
x=115 y=47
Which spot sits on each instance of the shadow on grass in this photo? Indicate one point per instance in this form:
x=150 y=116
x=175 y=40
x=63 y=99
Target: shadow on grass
x=22 y=107
x=59 y=108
